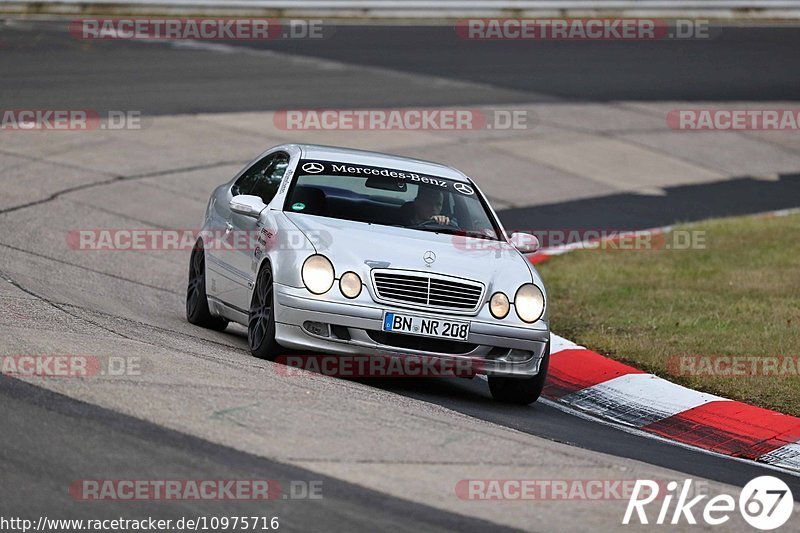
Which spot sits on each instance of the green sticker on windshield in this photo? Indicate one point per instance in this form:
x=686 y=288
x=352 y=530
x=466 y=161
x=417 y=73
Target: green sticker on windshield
x=299 y=206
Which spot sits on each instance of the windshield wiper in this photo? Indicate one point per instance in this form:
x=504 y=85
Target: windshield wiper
x=448 y=230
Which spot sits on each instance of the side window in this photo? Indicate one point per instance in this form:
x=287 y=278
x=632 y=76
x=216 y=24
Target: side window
x=264 y=178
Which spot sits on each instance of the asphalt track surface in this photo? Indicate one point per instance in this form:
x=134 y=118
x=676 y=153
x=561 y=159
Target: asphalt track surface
x=53 y=68
x=471 y=398
x=57 y=444
x=50 y=69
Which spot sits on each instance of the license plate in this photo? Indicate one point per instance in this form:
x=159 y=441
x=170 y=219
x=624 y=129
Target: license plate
x=426 y=327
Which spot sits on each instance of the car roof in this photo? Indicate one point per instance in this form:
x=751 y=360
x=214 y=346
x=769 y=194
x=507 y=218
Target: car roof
x=377 y=159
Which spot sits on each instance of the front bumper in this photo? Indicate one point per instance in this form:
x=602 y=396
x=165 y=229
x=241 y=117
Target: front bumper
x=489 y=344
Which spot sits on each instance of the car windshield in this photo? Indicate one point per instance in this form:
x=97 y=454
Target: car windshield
x=378 y=195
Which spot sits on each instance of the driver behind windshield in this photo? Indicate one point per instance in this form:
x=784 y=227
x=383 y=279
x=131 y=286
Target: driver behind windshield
x=426 y=206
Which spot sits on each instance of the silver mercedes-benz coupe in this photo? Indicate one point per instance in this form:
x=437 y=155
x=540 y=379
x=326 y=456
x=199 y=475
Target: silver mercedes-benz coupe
x=349 y=252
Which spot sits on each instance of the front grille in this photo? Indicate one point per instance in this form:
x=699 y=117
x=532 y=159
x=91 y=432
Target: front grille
x=421 y=290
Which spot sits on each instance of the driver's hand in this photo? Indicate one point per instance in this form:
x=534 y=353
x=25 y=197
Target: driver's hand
x=441 y=219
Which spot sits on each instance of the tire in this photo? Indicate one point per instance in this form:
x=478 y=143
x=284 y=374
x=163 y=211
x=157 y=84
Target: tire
x=522 y=391
x=197 y=311
x=261 y=319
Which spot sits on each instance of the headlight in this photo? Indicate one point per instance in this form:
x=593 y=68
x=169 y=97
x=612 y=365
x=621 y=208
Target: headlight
x=498 y=305
x=350 y=284
x=529 y=303
x=317 y=274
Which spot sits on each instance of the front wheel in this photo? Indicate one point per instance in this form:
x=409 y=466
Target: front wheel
x=521 y=391
x=261 y=319
x=197 y=311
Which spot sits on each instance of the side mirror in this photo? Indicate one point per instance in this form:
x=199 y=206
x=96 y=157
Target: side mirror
x=527 y=243
x=248 y=205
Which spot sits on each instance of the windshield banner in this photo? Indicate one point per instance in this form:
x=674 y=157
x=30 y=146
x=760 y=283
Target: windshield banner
x=403 y=177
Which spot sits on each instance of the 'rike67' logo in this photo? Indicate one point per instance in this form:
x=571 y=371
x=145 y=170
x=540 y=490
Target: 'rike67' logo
x=765 y=503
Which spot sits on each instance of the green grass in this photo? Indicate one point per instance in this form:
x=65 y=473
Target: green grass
x=740 y=295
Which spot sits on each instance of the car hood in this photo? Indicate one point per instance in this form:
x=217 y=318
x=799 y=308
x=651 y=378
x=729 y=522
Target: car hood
x=359 y=246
